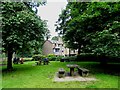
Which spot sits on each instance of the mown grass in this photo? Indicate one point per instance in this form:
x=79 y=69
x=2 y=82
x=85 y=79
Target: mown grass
x=29 y=76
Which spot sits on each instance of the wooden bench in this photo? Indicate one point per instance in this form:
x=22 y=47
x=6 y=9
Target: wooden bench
x=83 y=72
x=61 y=73
x=45 y=62
x=38 y=63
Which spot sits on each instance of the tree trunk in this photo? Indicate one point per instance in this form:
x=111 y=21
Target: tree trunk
x=9 y=61
x=79 y=48
x=69 y=51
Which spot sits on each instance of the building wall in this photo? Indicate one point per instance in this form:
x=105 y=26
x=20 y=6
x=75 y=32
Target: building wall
x=50 y=46
x=47 y=48
x=58 y=45
x=66 y=51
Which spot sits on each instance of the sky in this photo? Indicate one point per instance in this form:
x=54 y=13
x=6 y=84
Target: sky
x=51 y=12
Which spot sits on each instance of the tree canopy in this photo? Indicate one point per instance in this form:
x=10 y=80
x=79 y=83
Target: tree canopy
x=21 y=28
x=91 y=27
x=55 y=38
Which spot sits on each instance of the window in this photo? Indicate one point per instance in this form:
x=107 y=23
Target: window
x=74 y=51
x=57 y=49
x=58 y=45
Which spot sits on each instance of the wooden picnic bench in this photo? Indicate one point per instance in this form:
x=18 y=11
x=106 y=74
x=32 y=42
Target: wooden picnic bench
x=38 y=62
x=61 y=72
x=72 y=66
x=45 y=62
x=83 y=72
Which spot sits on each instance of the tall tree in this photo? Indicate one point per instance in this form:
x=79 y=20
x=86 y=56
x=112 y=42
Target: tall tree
x=32 y=5
x=55 y=38
x=20 y=26
x=69 y=25
x=47 y=34
x=81 y=23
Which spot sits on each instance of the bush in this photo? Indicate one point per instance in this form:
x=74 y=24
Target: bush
x=97 y=58
x=27 y=59
x=58 y=58
x=87 y=57
x=51 y=57
x=72 y=58
x=69 y=58
x=37 y=57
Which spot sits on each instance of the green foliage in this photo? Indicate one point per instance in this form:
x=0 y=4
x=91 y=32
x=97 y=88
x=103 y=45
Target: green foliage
x=91 y=27
x=55 y=38
x=70 y=58
x=51 y=57
x=33 y=5
x=59 y=58
x=37 y=57
x=27 y=59
x=20 y=26
x=22 y=29
x=47 y=34
x=88 y=57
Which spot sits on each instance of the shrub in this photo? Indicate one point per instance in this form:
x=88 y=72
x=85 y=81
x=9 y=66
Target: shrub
x=58 y=58
x=72 y=58
x=27 y=59
x=69 y=58
x=87 y=57
x=37 y=57
x=51 y=57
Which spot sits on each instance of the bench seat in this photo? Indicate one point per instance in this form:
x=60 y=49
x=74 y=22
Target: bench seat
x=83 y=72
x=61 y=72
x=38 y=63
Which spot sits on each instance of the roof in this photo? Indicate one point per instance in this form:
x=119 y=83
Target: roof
x=48 y=41
x=55 y=41
x=58 y=42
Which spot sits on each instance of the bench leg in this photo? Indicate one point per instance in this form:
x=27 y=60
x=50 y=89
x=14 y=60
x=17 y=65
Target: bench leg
x=84 y=74
x=47 y=62
x=44 y=63
x=80 y=72
x=61 y=75
x=71 y=71
x=40 y=63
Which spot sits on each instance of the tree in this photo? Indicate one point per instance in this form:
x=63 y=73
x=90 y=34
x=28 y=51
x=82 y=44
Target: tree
x=55 y=38
x=32 y=5
x=69 y=25
x=47 y=34
x=20 y=27
x=107 y=41
x=105 y=38
x=84 y=25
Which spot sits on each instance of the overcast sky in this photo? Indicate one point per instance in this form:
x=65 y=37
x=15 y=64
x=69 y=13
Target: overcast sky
x=51 y=12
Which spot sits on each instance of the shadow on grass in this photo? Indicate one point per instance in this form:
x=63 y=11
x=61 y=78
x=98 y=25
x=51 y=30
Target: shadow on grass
x=94 y=67
x=18 y=68
x=110 y=68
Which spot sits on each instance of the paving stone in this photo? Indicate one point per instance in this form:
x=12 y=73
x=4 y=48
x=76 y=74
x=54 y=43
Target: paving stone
x=73 y=78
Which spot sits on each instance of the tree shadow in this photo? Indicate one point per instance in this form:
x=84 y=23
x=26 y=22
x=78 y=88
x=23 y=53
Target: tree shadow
x=19 y=69
x=110 y=68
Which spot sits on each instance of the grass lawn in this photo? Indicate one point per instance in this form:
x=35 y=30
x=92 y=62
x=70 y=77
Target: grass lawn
x=28 y=76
